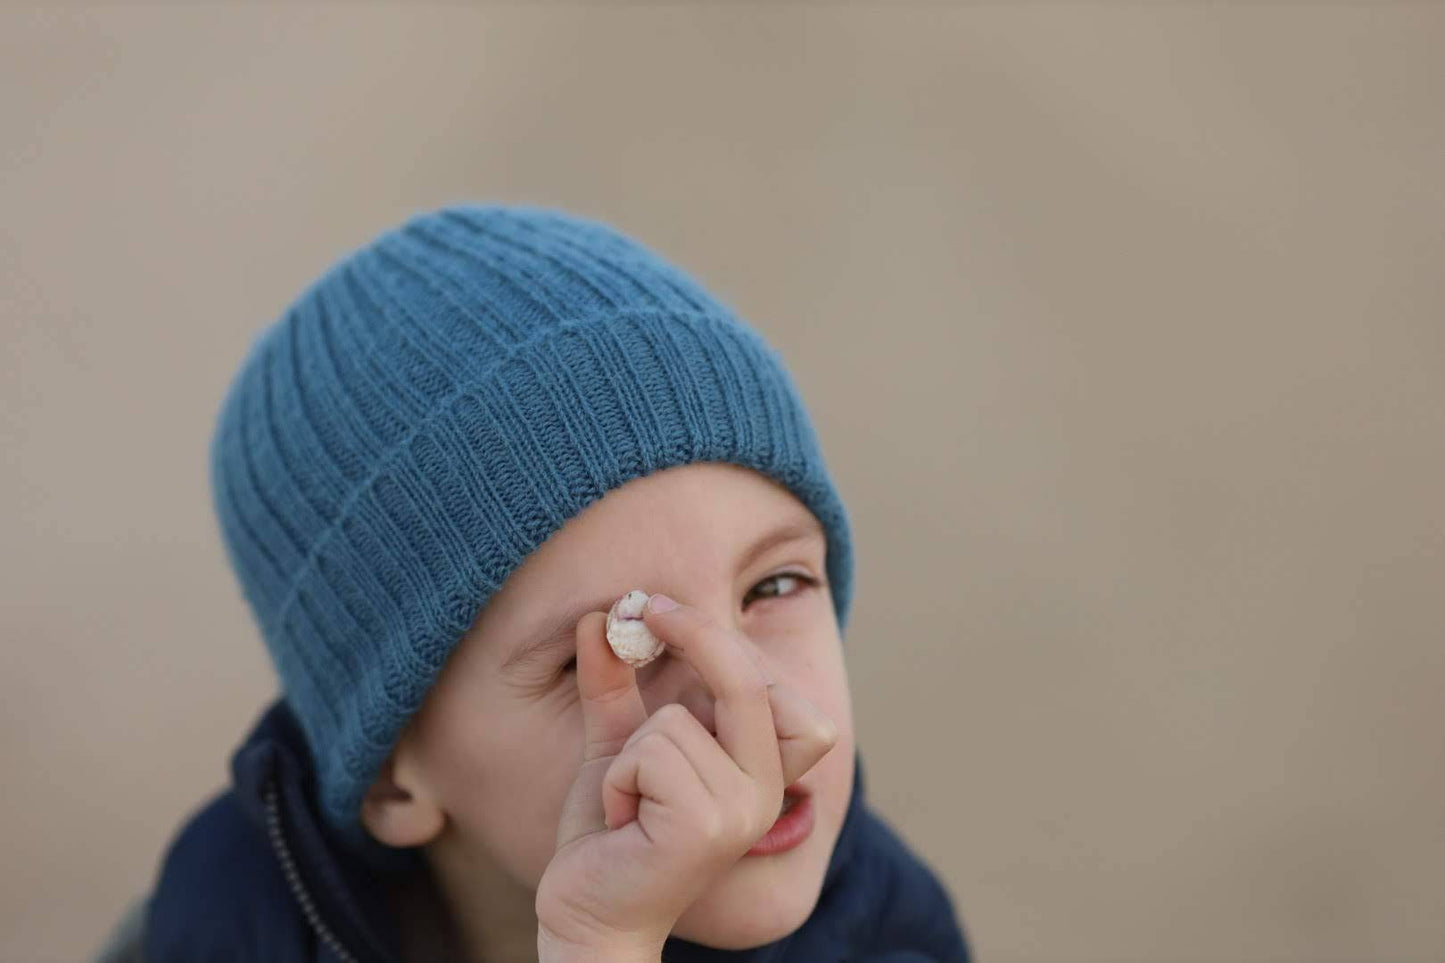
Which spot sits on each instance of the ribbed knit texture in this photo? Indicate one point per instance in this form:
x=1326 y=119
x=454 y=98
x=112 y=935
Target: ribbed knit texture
x=437 y=404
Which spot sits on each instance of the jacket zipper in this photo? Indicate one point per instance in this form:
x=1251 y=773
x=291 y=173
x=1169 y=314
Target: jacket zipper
x=293 y=878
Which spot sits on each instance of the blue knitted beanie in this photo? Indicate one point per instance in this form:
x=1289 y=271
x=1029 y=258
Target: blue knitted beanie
x=431 y=409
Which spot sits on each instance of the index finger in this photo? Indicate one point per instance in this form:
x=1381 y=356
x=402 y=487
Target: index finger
x=738 y=683
x=612 y=708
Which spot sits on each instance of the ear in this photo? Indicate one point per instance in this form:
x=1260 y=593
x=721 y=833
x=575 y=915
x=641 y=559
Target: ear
x=397 y=810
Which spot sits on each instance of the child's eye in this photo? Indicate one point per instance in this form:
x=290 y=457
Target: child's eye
x=775 y=593
x=779 y=579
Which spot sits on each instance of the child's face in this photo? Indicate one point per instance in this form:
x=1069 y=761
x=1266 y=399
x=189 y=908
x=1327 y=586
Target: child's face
x=497 y=745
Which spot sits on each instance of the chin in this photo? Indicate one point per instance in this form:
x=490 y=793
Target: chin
x=752 y=905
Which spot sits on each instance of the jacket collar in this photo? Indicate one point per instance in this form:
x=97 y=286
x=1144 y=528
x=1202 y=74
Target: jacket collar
x=341 y=892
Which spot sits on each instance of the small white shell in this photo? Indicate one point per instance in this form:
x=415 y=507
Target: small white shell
x=628 y=635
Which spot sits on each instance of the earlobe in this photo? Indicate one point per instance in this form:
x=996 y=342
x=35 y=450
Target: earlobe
x=397 y=812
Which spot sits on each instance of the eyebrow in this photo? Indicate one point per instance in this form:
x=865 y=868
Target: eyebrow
x=557 y=634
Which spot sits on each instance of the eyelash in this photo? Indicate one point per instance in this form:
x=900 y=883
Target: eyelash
x=807 y=581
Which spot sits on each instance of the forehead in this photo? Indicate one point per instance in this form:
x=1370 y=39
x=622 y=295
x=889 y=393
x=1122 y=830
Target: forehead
x=701 y=519
x=699 y=507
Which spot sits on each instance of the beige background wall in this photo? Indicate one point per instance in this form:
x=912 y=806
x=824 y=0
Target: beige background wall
x=1123 y=326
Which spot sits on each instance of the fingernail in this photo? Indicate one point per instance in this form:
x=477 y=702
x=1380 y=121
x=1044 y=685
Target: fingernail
x=661 y=603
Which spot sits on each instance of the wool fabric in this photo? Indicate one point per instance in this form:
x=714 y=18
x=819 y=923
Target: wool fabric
x=431 y=409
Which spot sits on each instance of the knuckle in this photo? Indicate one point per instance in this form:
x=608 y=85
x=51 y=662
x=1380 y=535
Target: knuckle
x=651 y=743
x=672 y=714
x=638 y=734
x=705 y=624
x=756 y=692
x=747 y=826
x=744 y=821
x=712 y=825
x=701 y=619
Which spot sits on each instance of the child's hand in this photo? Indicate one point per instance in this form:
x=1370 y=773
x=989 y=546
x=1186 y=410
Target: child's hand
x=660 y=808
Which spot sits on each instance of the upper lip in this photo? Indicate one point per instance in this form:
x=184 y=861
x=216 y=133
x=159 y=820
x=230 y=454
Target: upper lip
x=796 y=789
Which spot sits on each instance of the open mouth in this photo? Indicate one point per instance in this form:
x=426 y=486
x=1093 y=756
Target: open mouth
x=794 y=824
x=791 y=795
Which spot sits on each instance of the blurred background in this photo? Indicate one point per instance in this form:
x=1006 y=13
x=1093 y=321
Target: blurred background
x=1122 y=326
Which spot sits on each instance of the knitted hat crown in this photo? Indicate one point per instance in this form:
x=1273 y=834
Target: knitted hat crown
x=431 y=409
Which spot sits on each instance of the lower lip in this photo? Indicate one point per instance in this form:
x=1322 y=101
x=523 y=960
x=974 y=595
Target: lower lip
x=791 y=829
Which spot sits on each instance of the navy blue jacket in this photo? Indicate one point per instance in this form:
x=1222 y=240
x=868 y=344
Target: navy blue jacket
x=256 y=875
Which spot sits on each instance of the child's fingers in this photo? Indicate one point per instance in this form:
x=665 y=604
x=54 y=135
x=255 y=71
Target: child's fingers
x=654 y=779
x=715 y=769
x=805 y=733
x=741 y=704
x=612 y=708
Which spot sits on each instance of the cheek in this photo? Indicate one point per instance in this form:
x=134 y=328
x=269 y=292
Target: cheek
x=828 y=680
x=809 y=654
x=502 y=796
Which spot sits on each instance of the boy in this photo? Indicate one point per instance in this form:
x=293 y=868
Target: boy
x=434 y=474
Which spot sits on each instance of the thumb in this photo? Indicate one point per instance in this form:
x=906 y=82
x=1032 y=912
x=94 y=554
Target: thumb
x=612 y=710
x=612 y=707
